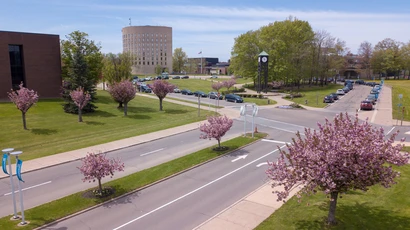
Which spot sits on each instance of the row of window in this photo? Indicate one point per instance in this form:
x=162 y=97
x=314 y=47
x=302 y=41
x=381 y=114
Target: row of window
x=147 y=63
x=143 y=44
x=144 y=40
x=143 y=58
x=141 y=35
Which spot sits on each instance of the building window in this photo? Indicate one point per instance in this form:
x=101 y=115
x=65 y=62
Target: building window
x=165 y=63
x=143 y=62
x=16 y=66
x=152 y=63
x=147 y=62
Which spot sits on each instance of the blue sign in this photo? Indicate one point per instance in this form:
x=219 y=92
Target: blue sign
x=18 y=169
x=3 y=163
x=399 y=104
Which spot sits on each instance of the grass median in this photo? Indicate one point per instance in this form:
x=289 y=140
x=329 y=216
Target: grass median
x=378 y=208
x=400 y=87
x=314 y=94
x=57 y=209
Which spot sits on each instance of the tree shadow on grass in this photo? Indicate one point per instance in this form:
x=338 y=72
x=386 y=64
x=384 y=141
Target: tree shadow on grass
x=104 y=99
x=175 y=111
x=94 y=123
x=133 y=109
x=237 y=153
x=99 y=113
x=359 y=216
x=44 y=131
x=123 y=200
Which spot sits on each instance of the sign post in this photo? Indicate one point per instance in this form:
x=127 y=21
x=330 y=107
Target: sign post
x=255 y=110
x=243 y=113
x=199 y=105
x=18 y=173
x=6 y=155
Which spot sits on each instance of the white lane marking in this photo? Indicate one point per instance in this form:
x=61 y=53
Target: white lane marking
x=196 y=190
x=392 y=130
x=259 y=165
x=374 y=116
x=240 y=157
x=34 y=186
x=290 y=131
x=262 y=118
x=144 y=154
x=279 y=142
x=408 y=132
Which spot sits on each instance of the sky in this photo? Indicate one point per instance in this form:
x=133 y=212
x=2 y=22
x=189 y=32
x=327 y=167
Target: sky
x=209 y=26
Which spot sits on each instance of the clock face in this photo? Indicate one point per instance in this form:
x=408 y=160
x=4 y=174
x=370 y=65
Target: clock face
x=264 y=59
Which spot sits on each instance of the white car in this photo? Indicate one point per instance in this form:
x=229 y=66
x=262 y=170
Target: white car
x=149 y=78
x=214 y=76
x=340 y=92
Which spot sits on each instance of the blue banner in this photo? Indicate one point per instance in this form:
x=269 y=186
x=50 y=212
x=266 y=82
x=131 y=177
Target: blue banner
x=3 y=163
x=18 y=169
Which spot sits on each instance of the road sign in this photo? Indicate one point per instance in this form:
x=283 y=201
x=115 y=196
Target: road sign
x=400 y=96
x=400 y=104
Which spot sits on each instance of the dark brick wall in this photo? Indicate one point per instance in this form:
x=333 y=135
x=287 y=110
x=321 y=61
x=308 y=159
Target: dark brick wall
x=42 y=62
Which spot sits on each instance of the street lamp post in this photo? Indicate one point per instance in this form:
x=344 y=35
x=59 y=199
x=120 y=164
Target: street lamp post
x=17 y=153
x=8 y=151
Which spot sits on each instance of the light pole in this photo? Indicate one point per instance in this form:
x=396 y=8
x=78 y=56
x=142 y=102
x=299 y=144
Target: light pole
x=8 y=151
x=18 y=173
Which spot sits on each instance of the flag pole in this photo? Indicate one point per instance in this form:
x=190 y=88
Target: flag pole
x=201 y=61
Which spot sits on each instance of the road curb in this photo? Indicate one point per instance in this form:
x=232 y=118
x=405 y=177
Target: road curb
x=142 y=188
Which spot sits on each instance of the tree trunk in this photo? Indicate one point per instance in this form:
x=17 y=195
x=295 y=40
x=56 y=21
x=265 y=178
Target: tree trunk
x=23 y=115
x=160 y=104
x=100 y=186
x=331 y=217
x=119 y=104
x=219 y=143
x=125 y=109
x=80 y=117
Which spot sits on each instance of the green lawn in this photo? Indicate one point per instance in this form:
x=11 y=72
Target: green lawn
x=52 y=131
x=195 y=103
x=258 y=101
x=400 y=87
x=314 y=95
x=378 y=208
x=57 y=209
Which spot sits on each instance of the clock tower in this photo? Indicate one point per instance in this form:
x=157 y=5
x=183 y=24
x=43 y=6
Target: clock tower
x=263 y=64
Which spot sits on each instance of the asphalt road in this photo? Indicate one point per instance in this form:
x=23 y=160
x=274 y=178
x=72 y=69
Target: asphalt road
x=350 y=102
x=189 y=199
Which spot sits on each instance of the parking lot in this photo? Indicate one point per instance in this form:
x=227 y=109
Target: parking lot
x=350 y=102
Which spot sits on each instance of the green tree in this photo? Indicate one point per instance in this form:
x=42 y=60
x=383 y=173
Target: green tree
x=387 y=57
x=158 y=69
x=365 y=51
x=179 y=59
x=117 y=67
x=81 y=66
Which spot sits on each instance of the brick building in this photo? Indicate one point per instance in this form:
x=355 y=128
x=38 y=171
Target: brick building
x=150 y=45
x=33 y=59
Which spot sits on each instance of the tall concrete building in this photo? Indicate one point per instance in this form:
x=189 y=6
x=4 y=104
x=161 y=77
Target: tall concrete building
x=32 y=59
x=150 y=45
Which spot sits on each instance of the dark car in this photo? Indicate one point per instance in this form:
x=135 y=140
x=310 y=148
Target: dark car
x=185 y=77
x=328 y=99
x=158 y=78
x=200 y=93
x=335 y=96
x=176 y=77
x=145 y=89
x=349 y=85
x=214 y=95
x=233 y=98
x=186 y=92
x=346 y=89
x=366 y=105
x=360 y=82
x=165 y=77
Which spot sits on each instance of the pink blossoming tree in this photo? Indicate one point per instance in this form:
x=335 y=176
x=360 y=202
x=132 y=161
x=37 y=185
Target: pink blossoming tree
x=23 y=99
x=217 y=86
x=161 y=89
x=216 y=127
x=123 y=92
x=97 y=166
x=229 y=83
x=340 y=156
x=80 y=99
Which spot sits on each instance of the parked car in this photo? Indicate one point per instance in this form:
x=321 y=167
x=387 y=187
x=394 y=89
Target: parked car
x=346 y=89
x=200 y=94
x=145 y=89
x=360 y=82
x=340 y=92
x=335 y=96
x=372 y=98
x=134 y=80
x=185 y=77
x=176 y=77
x=186 y=92
x=214 y=95
x=350 y=86
x=165 y=77
x=233 y=98
x=366 y=105
x=214 y=76
x=328 y=99
x=158 y=78
x=176 y=90
x=149 y=78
